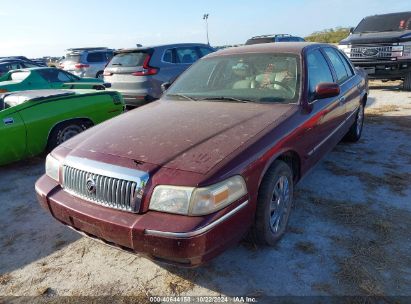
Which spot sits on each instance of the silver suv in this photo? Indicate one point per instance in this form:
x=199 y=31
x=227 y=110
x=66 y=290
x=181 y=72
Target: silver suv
x=87 y=62
x=139 y=73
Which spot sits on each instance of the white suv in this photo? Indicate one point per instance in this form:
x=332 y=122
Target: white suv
x=87 y=62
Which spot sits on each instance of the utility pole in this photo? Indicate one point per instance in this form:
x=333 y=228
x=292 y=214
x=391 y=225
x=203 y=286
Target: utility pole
x=205 y=17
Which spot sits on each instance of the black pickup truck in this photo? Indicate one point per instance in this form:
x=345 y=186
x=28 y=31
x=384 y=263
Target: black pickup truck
x=381 y=45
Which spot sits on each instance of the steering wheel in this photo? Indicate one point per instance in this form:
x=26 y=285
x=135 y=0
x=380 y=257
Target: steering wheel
x=283 y=85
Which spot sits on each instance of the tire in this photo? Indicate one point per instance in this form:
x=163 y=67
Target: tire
x=64 y=132
x=407 y=82
x=100 y=75
x=354 y=133
x=274 y=203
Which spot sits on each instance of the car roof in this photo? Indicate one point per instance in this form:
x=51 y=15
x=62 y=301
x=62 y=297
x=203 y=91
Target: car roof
x=283 y=47
x=172 y=45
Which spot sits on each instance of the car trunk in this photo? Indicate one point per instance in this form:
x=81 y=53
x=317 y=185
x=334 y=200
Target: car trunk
x=69 y=63
x=127 y=70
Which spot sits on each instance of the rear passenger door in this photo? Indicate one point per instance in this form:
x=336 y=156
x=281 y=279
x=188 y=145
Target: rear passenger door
x=344 y=76
x=326 y=113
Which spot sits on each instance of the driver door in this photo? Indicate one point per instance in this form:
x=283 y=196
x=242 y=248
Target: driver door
x=12 y=137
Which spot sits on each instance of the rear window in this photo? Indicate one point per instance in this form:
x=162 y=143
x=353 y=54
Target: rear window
x=128 y=59
x=96 y=57
x=385 y=23
x=72 y=57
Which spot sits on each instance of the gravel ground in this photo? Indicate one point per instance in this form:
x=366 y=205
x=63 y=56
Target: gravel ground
x=348 y=234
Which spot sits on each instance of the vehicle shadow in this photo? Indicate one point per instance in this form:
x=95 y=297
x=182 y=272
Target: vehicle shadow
x=27 y=232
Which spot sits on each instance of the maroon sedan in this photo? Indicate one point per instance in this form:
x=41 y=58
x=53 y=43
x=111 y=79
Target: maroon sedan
x=183 y=178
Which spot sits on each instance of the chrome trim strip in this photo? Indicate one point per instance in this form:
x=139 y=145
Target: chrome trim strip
x=332 y=133
x=105 y=169
x=184 y=235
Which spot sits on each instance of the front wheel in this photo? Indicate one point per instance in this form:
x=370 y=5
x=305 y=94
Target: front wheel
x=354 y=134
x=275 y=199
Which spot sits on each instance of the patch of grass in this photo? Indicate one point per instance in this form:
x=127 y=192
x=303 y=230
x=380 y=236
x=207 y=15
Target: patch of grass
x=374 y=235
x=177 y=284
x=5 y=278
x=382 y=109
x=306 y=247
x=397 y=182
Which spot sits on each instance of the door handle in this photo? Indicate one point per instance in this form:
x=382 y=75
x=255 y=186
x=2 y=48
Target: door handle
x=342 y=99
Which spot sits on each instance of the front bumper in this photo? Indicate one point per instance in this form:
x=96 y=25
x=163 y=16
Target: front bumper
x=174 y=239
x=392 y=70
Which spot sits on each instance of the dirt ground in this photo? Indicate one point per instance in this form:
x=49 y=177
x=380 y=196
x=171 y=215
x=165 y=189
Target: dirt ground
x=349 y=232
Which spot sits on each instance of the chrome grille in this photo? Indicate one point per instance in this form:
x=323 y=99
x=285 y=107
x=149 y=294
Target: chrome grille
x=371 y=52
x=104 y=184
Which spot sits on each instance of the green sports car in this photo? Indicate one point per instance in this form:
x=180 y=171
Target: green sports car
x=45 y=78
x=34 y=121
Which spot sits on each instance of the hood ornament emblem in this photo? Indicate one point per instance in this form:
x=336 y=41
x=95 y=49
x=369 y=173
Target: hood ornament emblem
x=91 y=185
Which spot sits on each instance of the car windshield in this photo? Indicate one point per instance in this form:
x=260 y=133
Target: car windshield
x=241 y=77
x=385 y=23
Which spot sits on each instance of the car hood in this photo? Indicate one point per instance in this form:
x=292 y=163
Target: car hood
x=380 y=37
x=185 y=135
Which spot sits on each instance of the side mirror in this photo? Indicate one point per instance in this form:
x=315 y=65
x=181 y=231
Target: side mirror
x=351 y=30
x=107 y=85
x=165 y=86
x=326 y=90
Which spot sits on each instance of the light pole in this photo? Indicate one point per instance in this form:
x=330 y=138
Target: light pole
x=205 y=17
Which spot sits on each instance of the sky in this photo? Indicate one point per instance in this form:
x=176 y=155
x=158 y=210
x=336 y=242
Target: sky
x=48 y=27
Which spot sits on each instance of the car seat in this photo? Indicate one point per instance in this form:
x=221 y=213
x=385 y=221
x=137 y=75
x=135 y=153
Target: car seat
x=187 y=59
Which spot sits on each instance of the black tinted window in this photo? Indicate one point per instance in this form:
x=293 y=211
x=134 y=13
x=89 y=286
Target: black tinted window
x=318 y=70
x=186 y=55
x=96 y=57
x=337 y=64
x=128 y=59
x=54 y=75
x=347 y=65
x=381 y=23
x=205 y=51
x=168 y=56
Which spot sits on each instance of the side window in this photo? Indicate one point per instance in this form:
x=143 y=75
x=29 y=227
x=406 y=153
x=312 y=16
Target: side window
x=71 y=77
x=186 y=55
x=337 y=64
x=204 y=51
x=347 y=65
x=63 y=77
x=96 y=57
x=168 y=56
x=318 y=70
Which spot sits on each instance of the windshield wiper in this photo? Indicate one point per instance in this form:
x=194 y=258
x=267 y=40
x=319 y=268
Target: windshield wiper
x=223 y=98
x=182 y=95
x=116 y=64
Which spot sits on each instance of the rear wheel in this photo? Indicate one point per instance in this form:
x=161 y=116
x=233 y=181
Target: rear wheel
x=354 y=134
x=407 y=82
x=274 y=203
x=64 y=132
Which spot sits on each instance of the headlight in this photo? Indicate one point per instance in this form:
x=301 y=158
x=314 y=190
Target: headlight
x=52 y=167
x=198 y=201
x=406 y=54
